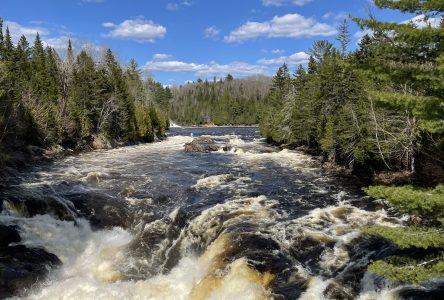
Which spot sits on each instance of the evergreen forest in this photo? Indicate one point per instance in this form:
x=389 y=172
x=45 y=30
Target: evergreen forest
x=75 y=101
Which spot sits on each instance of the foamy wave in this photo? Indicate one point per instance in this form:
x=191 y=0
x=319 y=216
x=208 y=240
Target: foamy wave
x=212 y=181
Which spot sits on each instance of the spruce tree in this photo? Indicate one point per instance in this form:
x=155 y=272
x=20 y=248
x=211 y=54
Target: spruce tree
x=344 y=36
x=1 y=39
x=404 y=63
x=405 y=59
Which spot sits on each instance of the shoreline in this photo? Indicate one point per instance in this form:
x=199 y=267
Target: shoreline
x=21 y=158
x=216 y=126
x=364 y=177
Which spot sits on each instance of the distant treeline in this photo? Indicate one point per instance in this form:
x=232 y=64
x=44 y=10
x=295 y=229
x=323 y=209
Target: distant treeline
x=220 y=102
x=46 y=100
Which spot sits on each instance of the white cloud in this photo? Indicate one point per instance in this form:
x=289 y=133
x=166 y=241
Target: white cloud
x=212 y=32
x=284 y=2
x=278 y=51
x=294 y=59
x=29 y=32
x=290 y=25
x=211 y=69
x=421 y=21
x=55 y=37
x=58 y=43
x=140 y=30
x=360 y=34
x=161 y=56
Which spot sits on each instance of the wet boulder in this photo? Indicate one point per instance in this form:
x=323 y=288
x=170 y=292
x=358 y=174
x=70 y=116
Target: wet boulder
x=30 y=202
x=201 y=144
x=102 y=210
x=338 y=291
x=21 y=268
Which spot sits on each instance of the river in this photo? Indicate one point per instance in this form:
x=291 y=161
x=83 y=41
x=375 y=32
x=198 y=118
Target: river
x=153 y=222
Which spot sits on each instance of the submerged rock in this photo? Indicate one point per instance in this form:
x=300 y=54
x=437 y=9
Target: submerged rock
x=201 y=144
x=22 y=267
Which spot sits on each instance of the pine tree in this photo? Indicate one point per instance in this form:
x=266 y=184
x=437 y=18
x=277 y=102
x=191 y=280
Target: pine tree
x=84 y=100
x=8 y=47
x=271 y=117
x=405 y=59
x=403 y=62
x=23 y=56
x=124 y=122
x=344 y=37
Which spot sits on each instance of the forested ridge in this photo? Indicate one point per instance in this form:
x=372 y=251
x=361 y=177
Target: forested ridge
x=76 y=101
x=378 y=108
x=226 y=101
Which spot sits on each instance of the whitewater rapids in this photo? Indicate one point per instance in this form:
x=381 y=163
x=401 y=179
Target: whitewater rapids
x=254 y=222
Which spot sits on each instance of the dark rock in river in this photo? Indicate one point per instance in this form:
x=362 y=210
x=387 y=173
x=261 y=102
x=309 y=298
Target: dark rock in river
x=430 y=291
x=201 y=144
x=337 y=291
x=30 y=202
x=8 y=235
x=102 y=210
x=22 y=267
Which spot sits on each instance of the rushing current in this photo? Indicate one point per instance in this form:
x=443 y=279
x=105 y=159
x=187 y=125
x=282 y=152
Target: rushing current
x=154 y=222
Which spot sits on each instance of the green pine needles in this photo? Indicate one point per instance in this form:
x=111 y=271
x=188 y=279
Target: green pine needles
x=408 y=270
x=427 y=204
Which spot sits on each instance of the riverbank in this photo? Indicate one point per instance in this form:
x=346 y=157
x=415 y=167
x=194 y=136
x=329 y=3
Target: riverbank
x=16 y=158
x=364 y=175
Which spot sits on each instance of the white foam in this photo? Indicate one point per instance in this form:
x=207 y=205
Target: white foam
x=212 y=181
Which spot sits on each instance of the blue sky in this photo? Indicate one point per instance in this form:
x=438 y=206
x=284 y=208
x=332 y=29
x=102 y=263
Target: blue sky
x=177 y=41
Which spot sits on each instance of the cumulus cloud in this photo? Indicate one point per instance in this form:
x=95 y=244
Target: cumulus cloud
x=52 y=35
x=284 y=2
x=422 y=21
x=293 y=59
x=29 y=32
x=139 y=30
x=212 y=33
x=290 y=25
x=211 y=69
x=360 y=34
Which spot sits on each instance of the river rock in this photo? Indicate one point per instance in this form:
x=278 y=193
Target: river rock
x=31 y=202
x=201 y=144
x=21 y=268
x=103 y=211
